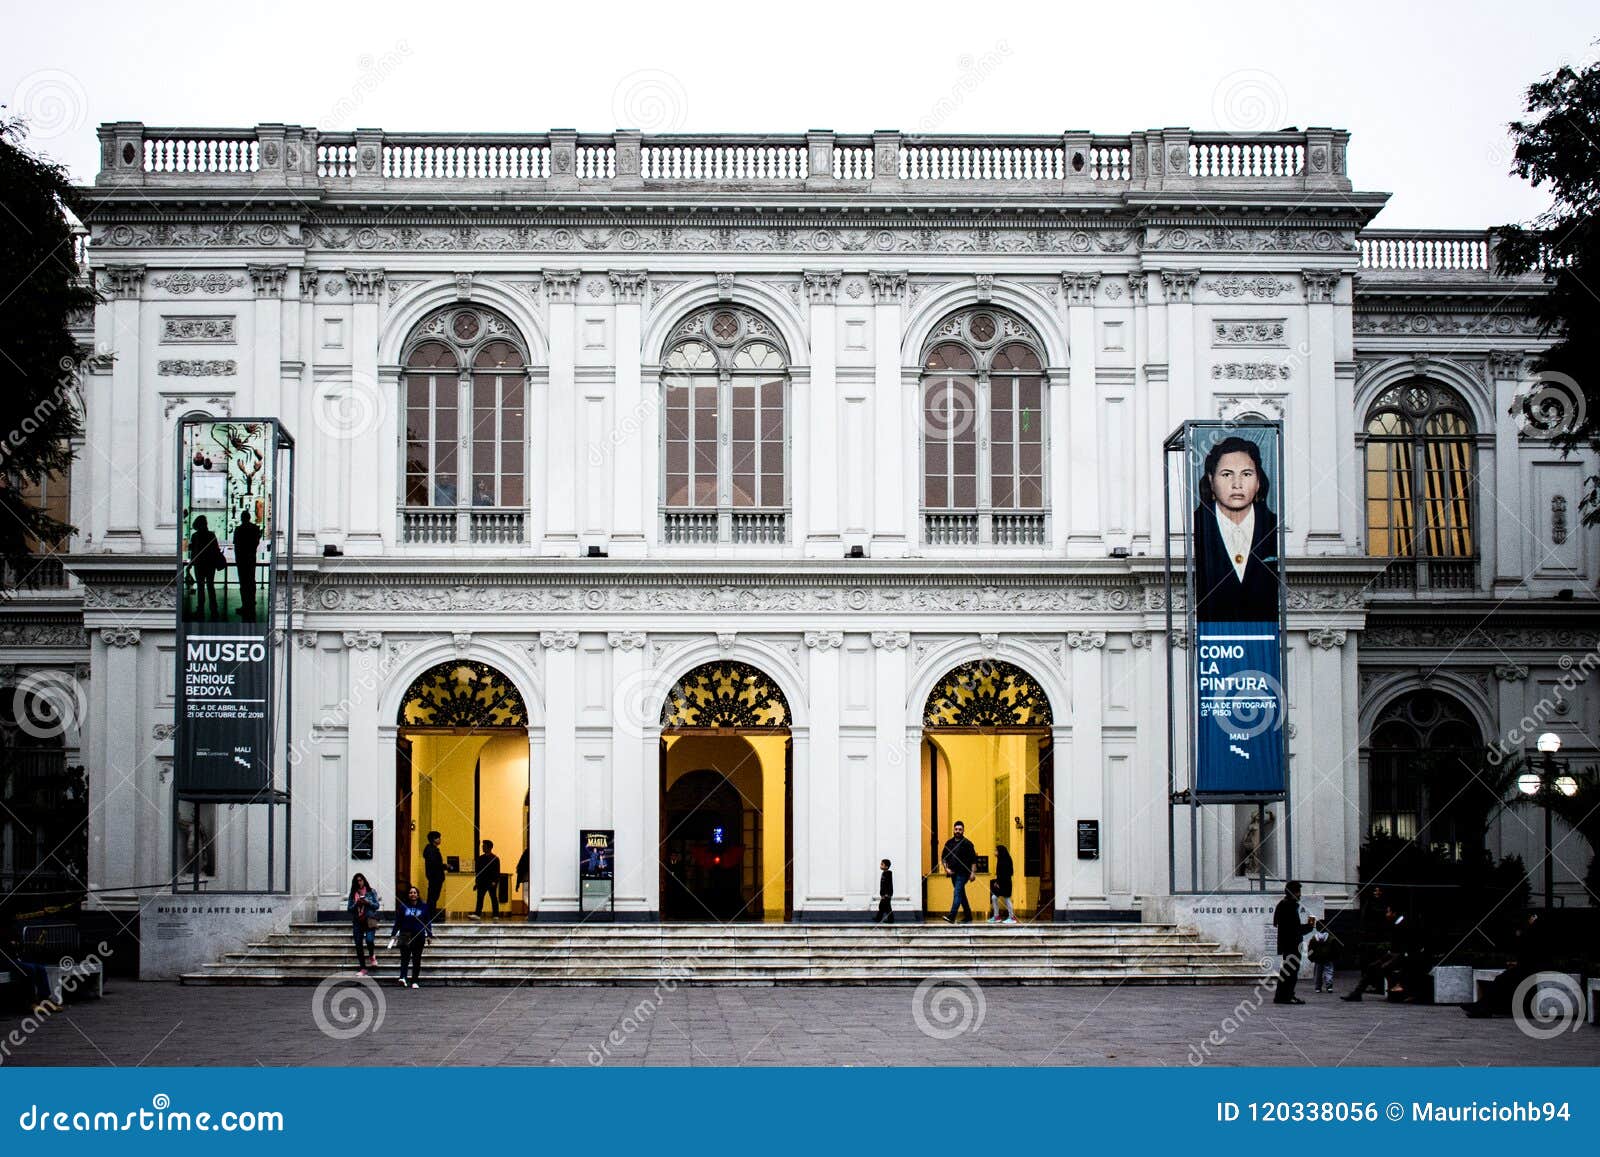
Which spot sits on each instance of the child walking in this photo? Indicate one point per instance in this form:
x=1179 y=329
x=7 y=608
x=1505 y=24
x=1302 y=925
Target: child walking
x=885 y=894
x=1323 y=952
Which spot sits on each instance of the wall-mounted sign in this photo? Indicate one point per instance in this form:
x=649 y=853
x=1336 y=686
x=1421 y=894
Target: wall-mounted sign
x=596 y=870
x=1088 y=839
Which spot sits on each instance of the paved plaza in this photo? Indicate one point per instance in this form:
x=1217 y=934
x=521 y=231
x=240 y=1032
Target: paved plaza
x=166 y=1024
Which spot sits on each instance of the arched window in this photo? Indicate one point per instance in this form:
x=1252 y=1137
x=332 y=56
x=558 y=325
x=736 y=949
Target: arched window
x=983 y=436
x=1424 y=753
x=465 y=432
x=1420 y=465
x=724 y=384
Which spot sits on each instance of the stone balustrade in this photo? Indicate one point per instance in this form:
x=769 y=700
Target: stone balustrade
x=277 y=155
x=1429 y=250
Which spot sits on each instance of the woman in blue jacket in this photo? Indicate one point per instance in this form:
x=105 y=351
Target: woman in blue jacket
x=413 y=926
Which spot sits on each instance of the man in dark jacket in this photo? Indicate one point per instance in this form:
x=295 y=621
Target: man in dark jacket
x=246 y=540
x=487 y=881
x=1291 y=930
x=433 y=872
x=960 y=861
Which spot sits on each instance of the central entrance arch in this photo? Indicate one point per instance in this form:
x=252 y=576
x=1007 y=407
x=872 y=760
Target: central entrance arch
x=462 y=770
x=988 y=762
x=727 y=813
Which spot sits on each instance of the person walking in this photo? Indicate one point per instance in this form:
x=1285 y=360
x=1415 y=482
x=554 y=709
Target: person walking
x=413 y=927
x=433 y=871
x=1323 y=952
x=1286 y=919
x=486 y=882
x=363 y=904
x=960 y=861
x=885 y=894
x=1000 y=887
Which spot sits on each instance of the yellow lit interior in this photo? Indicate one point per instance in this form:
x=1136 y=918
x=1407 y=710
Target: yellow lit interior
x=981 y=779
x=442 y=800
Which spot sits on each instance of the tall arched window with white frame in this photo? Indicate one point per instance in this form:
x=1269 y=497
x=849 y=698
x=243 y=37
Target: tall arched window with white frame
x=1421 y=472
x=465 y=385
x=984 y=443
x=724 y=434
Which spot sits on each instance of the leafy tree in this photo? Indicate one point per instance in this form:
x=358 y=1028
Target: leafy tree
x=1558 y=148
x=1581 y=811
x=40 y=291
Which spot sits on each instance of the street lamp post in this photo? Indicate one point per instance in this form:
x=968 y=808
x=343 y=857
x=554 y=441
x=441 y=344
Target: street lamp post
x=1543 y=783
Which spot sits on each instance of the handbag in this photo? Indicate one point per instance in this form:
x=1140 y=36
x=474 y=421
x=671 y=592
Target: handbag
x=372 y=924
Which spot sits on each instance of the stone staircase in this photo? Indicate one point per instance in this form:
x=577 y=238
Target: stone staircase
x=755 y=954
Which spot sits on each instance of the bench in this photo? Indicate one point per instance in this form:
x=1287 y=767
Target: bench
x=66 y=969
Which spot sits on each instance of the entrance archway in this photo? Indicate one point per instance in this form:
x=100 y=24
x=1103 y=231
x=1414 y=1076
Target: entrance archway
x=987 y=761
x=462 y=770
x=726 y=797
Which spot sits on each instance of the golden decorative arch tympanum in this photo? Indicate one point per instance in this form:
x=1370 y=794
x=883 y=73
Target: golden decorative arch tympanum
x=725 y=694
x=462 y=694
x=987 y=693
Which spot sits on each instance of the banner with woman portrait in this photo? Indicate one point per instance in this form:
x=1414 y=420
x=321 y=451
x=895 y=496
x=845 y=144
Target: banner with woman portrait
x=1236 y=606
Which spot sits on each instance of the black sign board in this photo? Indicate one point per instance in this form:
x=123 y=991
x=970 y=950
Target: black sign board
x=1088 y=839
x=596 y=870
x=361 y=839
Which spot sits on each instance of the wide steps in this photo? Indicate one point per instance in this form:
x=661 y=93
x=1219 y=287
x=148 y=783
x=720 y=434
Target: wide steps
x=504 y=954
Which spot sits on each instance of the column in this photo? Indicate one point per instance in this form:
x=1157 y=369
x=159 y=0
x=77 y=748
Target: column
x=113 y=792
x=898 y=792
x=560 y=425
x=1084 y=880
x=820 y=778
x=633 y=421
x=365 y=533
x=370 y=760
x=118 y=457
x=1085 y=453
x=266 y=340
x=1182 y=383
x=890 y=433
x=1324 y=412
x=631 y=773
x=822 y=432
x=560 y=799
x=1504 y=536
x=1318 y=771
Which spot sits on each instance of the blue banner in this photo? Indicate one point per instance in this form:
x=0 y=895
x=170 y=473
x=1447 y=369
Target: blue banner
x=786 y=1110
x=1239 y=700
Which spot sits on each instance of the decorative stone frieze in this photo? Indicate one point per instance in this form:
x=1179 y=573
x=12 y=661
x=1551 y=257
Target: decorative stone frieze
x=198 y=330
x=1258 y=286
x=183 y=283
x=197 y=367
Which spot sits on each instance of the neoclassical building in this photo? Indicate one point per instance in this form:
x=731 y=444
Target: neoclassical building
x=773 y=502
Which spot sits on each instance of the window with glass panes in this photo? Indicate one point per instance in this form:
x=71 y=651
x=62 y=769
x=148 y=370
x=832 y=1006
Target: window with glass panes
x=465 y=384
x=983 y=431
x=724 y=428
x=1420 y=466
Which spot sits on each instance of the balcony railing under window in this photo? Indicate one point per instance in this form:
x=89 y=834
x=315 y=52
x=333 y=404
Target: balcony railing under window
x=744 y=527
x=1428 y=574
x=479 y=525
x=983 y=528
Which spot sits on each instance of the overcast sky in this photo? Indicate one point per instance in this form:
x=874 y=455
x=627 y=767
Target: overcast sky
x=1426 y=89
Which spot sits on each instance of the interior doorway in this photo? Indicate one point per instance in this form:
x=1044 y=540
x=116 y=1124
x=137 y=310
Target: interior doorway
x=461 y=770
x=727 y=816
x=988 y=762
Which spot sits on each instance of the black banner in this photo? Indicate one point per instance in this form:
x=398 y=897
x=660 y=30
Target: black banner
x=227 y=499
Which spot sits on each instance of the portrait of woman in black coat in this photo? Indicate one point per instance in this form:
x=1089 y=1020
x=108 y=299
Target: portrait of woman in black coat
x=1235 y=541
